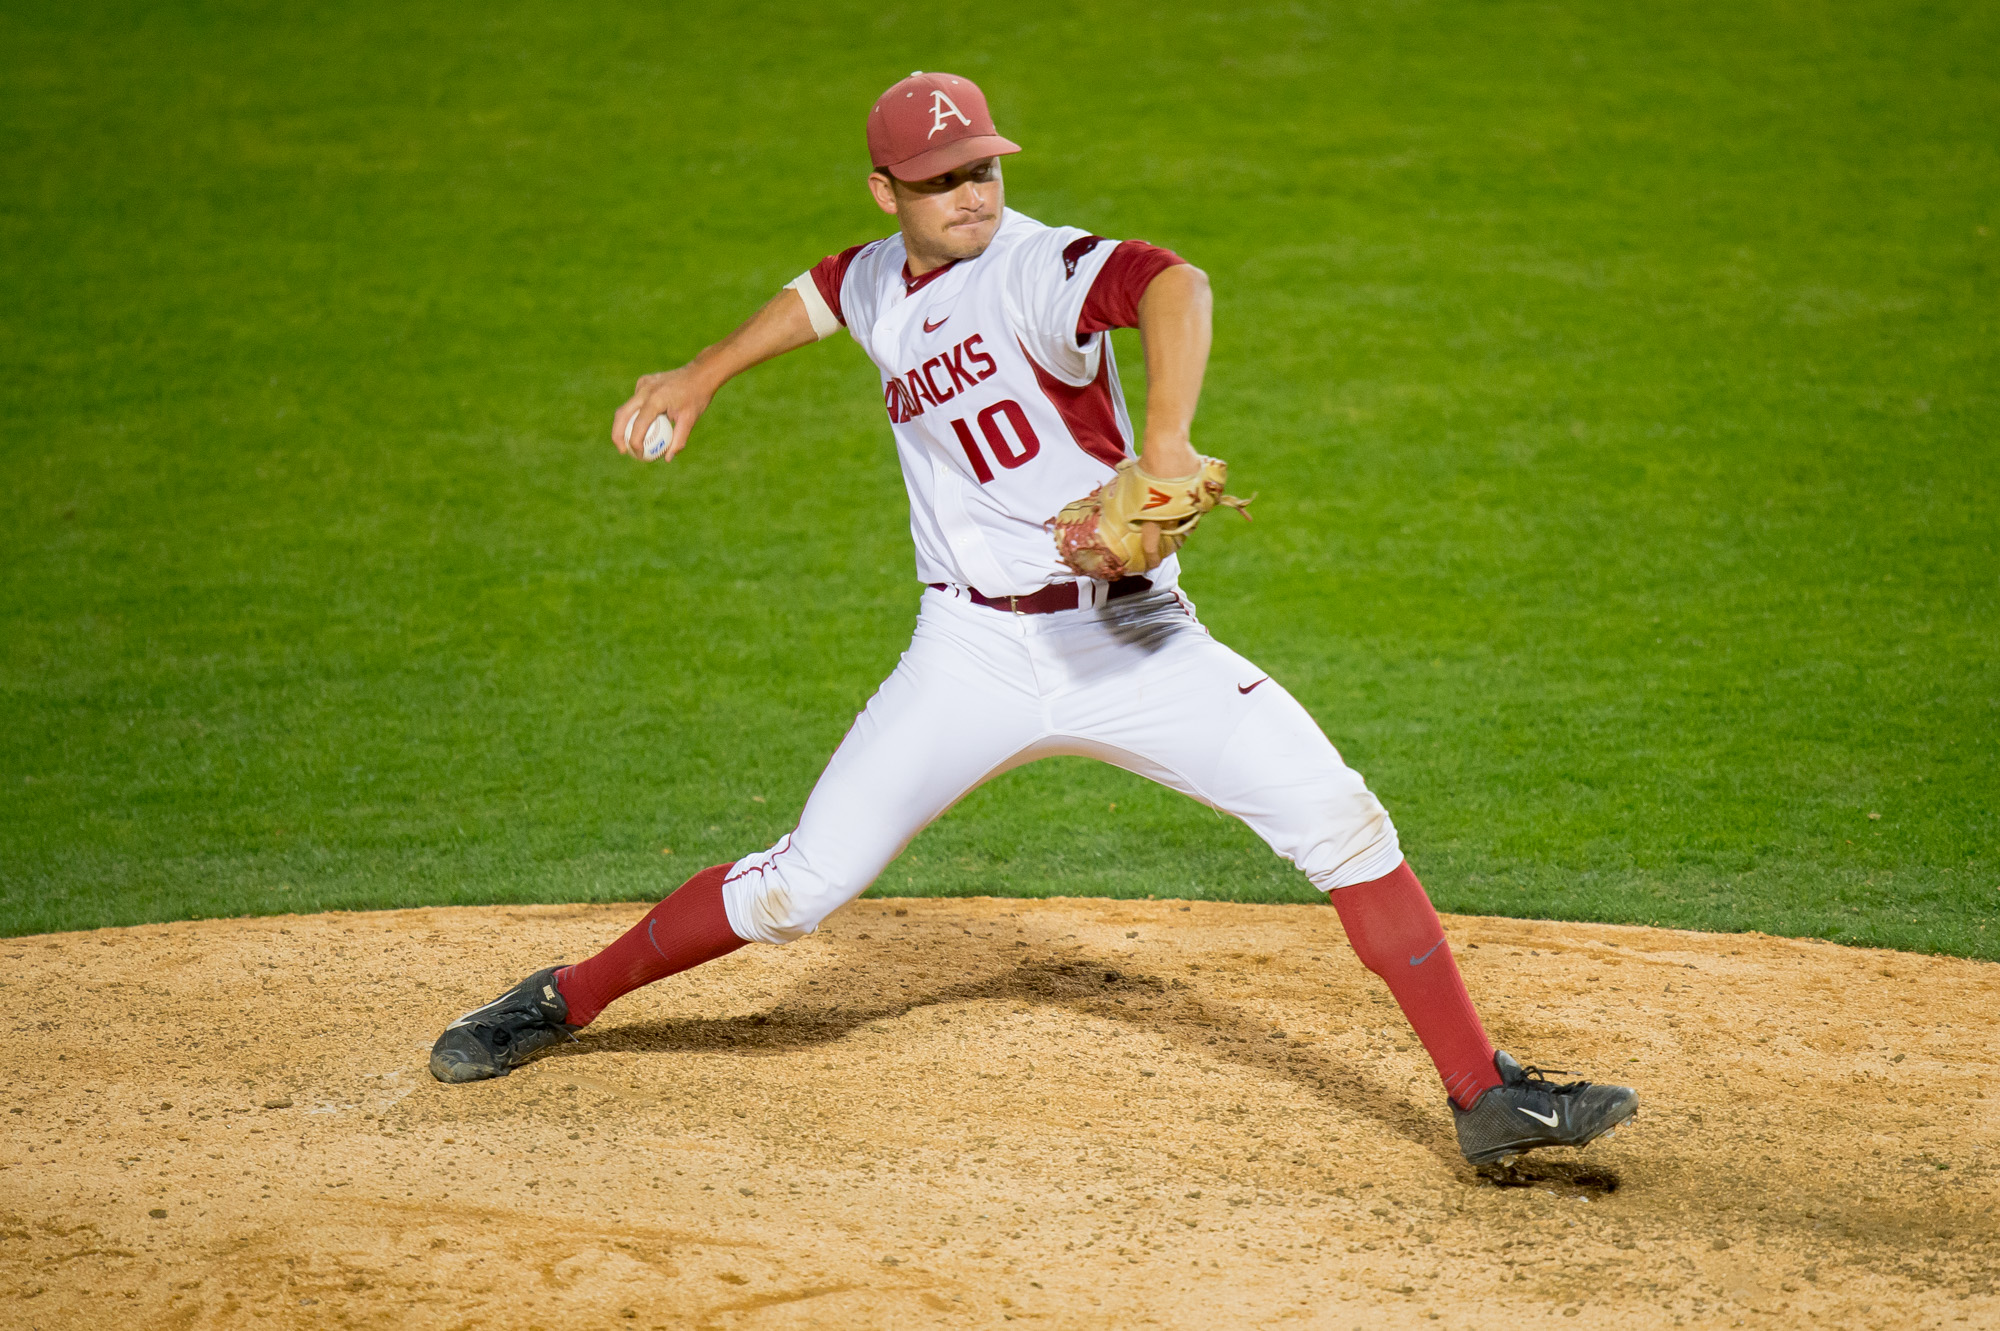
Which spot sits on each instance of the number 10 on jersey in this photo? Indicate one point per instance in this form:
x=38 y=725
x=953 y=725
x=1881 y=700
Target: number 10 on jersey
x=1009 y=453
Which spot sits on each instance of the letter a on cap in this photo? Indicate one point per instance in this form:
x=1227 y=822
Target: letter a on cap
x=941 y=108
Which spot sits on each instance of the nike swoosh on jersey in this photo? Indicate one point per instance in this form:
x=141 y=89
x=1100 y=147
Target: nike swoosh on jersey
x=1418 y=961
x=1245 y=688
x=1547 y=1120
x=930 y=327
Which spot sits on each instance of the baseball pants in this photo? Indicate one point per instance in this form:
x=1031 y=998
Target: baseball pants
x=1137 y=683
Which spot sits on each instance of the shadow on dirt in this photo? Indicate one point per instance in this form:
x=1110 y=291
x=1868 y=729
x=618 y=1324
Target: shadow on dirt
x=1080 y=982
x=1568 y=1178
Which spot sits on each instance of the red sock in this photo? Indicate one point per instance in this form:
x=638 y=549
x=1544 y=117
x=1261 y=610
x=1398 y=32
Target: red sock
x=683 y=931
x=1397 y=935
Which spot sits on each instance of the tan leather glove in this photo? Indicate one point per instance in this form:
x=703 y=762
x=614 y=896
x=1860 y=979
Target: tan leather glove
x=1135 y=520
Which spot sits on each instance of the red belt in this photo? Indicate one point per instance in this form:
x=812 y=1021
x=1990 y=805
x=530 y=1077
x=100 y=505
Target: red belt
x=1056 y=596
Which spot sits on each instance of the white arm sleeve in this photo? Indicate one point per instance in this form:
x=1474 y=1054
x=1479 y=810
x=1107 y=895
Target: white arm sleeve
x=825 y=323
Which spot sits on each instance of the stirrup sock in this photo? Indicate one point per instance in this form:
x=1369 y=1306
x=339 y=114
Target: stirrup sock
x=682 y=932
x=1396 y=933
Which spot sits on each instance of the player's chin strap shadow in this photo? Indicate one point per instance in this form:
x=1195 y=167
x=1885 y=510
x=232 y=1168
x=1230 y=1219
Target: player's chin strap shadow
x=1072 y=978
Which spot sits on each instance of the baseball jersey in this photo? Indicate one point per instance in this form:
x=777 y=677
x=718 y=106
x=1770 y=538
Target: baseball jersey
x=1000 y=387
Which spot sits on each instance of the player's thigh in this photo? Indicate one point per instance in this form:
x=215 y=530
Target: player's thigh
x=952 y=714
x=1279 y=773
x=1212 y=725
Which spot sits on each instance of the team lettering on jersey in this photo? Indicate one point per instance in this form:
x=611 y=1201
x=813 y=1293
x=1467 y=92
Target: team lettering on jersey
x=937 y=381
x=1009 y=436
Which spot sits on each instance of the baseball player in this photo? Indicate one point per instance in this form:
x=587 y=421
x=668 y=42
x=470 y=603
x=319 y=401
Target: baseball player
x=1051 y=620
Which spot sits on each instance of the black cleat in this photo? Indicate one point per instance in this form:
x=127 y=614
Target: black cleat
x=492 y=1041
x=1528 y=1111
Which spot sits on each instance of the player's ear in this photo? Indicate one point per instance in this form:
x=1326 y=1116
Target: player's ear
x=884 y=190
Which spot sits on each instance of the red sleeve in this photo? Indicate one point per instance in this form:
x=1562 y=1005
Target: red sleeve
x=1113 y=301
x=829 y=273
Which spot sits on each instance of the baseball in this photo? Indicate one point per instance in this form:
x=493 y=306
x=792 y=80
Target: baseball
x=658 y=435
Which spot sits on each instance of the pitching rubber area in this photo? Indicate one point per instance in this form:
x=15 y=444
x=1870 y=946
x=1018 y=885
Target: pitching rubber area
x=1068 y=1113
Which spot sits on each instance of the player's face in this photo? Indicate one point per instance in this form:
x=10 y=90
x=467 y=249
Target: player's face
x=952 y=216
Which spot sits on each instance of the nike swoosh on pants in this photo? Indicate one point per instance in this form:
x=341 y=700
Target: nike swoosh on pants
x=1418 y=961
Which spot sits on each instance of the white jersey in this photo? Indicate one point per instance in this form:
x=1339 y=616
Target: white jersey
x=1002 y=412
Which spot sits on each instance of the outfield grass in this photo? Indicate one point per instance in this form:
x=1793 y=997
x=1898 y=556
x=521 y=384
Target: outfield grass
x=1618 y=381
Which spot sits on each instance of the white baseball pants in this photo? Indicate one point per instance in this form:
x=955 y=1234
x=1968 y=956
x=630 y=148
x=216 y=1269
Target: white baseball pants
x=1138 y=683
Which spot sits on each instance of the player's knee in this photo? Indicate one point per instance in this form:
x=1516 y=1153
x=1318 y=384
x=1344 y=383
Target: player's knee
x=779 y=915
x=771 y=900
x=1358 y=845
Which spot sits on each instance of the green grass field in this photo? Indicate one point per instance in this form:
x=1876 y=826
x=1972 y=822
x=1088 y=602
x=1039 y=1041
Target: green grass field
x=1619 y=382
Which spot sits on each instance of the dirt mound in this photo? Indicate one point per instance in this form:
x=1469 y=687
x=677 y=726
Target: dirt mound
x=1084 y=1113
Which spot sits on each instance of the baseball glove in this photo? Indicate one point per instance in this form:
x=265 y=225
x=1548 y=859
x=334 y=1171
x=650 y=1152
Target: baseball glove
x=1134 y=520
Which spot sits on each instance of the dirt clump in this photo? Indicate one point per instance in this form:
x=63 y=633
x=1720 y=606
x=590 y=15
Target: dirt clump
x=1081 y=1113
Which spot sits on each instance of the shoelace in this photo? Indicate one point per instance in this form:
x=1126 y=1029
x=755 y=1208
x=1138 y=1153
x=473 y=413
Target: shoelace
x=1540 y=1077
x=531 y=1009
x=500 y=1016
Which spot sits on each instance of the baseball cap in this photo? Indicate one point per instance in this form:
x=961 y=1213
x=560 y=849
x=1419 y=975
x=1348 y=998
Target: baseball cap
x=930 y=124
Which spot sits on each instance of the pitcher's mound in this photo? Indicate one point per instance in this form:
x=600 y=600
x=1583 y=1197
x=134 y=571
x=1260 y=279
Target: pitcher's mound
x=1075 y=1112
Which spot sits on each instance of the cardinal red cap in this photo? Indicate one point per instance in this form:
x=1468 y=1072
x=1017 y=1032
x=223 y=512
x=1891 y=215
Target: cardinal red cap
x=930 y=124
